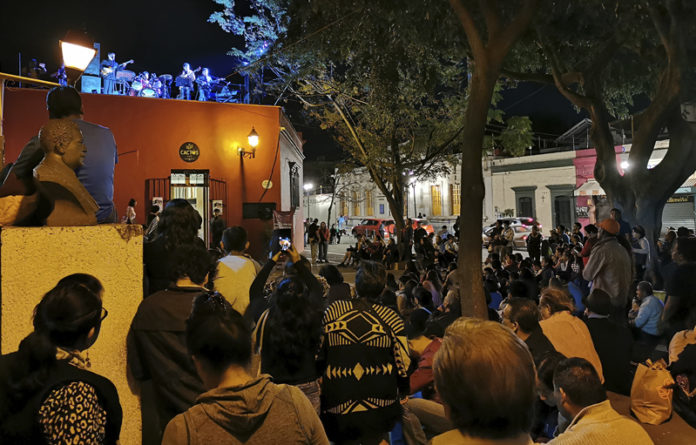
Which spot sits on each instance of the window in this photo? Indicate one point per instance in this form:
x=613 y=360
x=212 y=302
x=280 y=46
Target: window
x=344 y=207
x=369 y=210
x=381 y=209
x=436 y=199
x=356 y=203
x=455 y=199
x=294 y=186
x=524 y=201
x=524 y=206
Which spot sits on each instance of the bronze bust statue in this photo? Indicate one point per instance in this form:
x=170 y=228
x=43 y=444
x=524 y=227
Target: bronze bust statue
x=65 y=201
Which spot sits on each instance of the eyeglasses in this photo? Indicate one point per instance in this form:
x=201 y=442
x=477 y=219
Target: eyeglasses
x=104 y=313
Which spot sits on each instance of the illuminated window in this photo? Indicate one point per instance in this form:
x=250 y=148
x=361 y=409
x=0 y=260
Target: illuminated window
x=344 y=207
x=436 y=199
x=369 y=211
x=356 y=203
x=454 y=199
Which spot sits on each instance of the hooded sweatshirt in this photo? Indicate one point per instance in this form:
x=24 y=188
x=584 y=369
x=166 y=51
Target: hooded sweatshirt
x=257 y=412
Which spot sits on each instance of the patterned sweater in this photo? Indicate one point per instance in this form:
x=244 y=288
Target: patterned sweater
x=364 y=366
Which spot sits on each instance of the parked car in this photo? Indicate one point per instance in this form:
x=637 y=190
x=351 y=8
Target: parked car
x=522 y=227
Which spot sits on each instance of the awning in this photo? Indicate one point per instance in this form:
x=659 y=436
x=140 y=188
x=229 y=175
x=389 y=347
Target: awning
x=589 y=188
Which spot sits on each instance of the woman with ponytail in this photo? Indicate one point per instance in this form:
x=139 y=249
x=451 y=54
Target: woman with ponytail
x=48 y=394
x=238 y=407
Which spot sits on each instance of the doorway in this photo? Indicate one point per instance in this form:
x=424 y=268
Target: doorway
x=192 y=185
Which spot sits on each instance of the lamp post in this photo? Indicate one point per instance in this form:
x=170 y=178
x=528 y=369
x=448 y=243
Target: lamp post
x=308 y=187
x=253 y=140
x=78 y=52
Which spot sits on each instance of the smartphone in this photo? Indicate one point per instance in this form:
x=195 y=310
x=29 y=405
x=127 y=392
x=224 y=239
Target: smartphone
x=284 y=243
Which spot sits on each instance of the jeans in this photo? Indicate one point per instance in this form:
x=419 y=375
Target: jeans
x=423 y=413
x=323 y=248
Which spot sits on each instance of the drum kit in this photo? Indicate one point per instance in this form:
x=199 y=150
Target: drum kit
x=141 y=85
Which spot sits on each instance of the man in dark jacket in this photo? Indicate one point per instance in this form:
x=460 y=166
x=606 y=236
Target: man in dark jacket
x=157 y=353
x=522 y=316
x=612 y=341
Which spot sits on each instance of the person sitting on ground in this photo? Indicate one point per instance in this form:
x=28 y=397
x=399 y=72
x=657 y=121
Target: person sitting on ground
x=613 y=342
x=567 y=333
x=645 y=317
x=445 y=315
x=157 y=355
x=682 y=365
x=365 y=357
x=581 y=397
x=548 y=422
x=521 y=315
x=238 y=407
x=48 y=394
x=178 y=226
x=485 y=377
x=680 y=287
x=338 y=290
x=235 y=271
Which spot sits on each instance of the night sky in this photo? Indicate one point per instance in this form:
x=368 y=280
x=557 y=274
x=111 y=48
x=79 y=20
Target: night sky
x=160 y=38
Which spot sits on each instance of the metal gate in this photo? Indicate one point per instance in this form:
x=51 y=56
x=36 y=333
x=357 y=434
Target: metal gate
x=156 y=187
x=218 y=192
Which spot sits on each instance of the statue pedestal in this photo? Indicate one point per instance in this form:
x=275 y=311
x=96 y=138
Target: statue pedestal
x=33 y=259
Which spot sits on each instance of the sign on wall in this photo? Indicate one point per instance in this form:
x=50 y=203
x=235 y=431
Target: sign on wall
x=159 y=202
x=189 y=152
x=217 y=205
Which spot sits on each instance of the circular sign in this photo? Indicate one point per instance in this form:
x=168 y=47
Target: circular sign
x=266 y=184
x=189 y=152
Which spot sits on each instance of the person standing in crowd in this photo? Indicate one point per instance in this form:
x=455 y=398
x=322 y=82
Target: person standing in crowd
x=238 y=407
x=534 y=244
x=48 y=394
x=178 y=226
x=333 y=233
x=323 y=240
x=287 y=334
x=485 y=376
x=406 y=240
x=624 y=227
x=641 y=252
x=581 y=397
x=680 y=285
x=590 y=241
x=217 y=226
x=313 y=239
x=152 y=221
x=129 y=217
x=577 y=232
x=157 y=355
x=507 y=239
x=235 y=271
x=612 y=341
x=338 y=289
x=609 y=267
x=97 y=171
x=365 y=363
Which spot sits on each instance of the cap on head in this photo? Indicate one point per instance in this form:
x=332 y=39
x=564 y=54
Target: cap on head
x=610 y=226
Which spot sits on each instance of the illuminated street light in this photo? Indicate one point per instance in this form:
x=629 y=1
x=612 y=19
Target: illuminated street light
x=253 y=140
x=78 y=52
x=309 y=186
x=625 y=165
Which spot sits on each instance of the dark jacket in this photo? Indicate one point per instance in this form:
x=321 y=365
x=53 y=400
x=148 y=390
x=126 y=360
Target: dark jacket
x=157 y=351
x=19 y=425
x=539 y=345
x=613 y=344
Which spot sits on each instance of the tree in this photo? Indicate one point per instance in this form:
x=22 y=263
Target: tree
x=602 y=55
x=390 y=78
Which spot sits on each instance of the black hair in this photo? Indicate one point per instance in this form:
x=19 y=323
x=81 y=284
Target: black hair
x=491 y=285
x=579 y=380
x=686 y=247
x=682 y=231
x=599 y=302
x=524 y=312
x=391 y=282
x=192 y=261
x=234 y=239
x=424 y=297
x=434 y=277
x=388 y=299
x=591 y=228
x=217 y=333
x=639 y=230
x=370 y=280
x=411 y=267
x=293 y=328
x=332 y=274
x=154 y=209
x=63 y=318
x=546 y=367
x=179 y=224
x=517 y=289
x=131 y=202
x=63 y=102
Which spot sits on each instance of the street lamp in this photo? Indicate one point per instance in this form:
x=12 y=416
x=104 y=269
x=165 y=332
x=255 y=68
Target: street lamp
x=78 y=52
x=308 y=187
x=253 y=140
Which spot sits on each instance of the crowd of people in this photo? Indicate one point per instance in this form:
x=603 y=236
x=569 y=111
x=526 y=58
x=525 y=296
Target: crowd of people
x=230 y=351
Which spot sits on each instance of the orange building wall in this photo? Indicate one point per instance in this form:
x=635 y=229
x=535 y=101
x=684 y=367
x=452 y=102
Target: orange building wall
x=149 y=133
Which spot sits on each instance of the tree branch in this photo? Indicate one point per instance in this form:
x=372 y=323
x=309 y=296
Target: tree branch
x=490 y=13
x=529 y=77
x=500 y=45
x=473 y=36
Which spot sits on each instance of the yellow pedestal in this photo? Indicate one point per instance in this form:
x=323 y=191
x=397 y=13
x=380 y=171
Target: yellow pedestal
x=33 y=259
